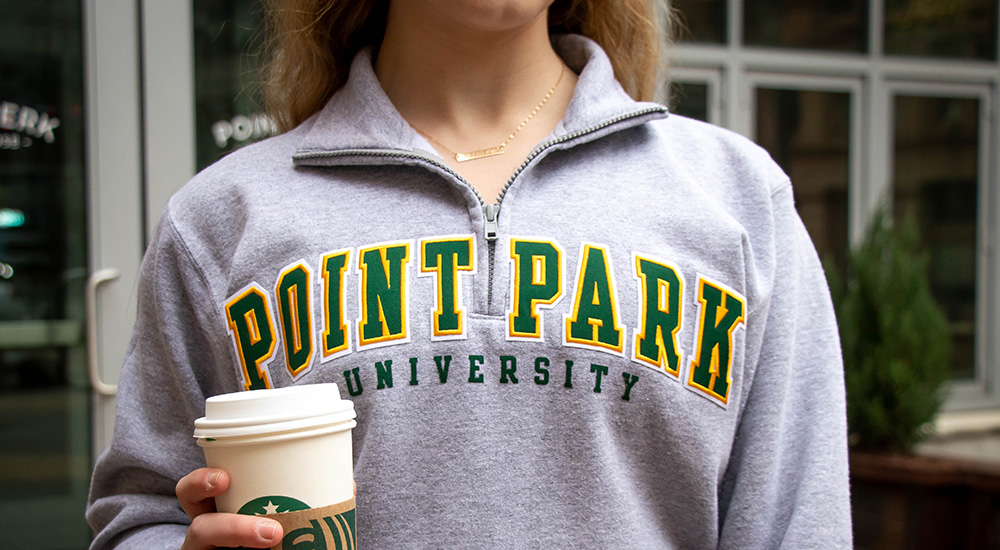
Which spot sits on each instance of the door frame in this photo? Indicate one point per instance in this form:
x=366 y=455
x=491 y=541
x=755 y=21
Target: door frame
x=140 y=104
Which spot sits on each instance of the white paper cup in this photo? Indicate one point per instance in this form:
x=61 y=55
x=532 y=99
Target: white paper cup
x=285 y=449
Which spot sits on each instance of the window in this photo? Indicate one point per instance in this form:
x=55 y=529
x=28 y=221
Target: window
x=836 y=25
x=690 y=99
x=702 y=21
x=808 y=133
x=869 y=105
x=937 y=169
x=941 y=28
x=694 y=93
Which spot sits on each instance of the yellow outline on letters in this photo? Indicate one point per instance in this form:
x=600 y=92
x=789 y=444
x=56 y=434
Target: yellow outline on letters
x=661 y=363
x=254 y=330
x=438 y=310
x=387 y=337
x=344 y=348
x=535 y=304
x=297 y=342
x=715 y=360
x=578 y=294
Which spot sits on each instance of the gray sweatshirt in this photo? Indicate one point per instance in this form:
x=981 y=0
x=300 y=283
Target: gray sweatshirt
x=635 y=350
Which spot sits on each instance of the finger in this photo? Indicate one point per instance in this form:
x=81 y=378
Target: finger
x=196 y=491
x=231 y=530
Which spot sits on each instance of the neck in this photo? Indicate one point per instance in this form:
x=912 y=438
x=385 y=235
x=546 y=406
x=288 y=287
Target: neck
x=459 y=82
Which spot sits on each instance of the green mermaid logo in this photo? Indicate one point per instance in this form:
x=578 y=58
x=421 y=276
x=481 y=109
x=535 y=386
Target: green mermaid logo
x=272 y=505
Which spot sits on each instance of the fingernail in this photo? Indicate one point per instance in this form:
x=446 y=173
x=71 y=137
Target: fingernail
x=265 y=529
x=213 y=479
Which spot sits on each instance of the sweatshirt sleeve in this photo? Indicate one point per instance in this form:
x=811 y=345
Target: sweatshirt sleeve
x=170 y=367
x=786 y=483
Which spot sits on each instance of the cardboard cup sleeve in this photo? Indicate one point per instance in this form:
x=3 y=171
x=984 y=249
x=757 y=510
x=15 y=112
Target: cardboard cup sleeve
x=326 y=528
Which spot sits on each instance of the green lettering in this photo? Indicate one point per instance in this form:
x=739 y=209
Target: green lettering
x=537 y=283
x=542 y=378
x=508 y=369
x=357 y=380
x=660 y=318
x=630 y=380
x=594 y=321
x=334 y=328
x=383 y=374
x=599 y=371
x=475 y=377
x=295 y=311
x=721 y=313
x=383 y=293
x=446 y=259
x=442 y=369
x=250 y=325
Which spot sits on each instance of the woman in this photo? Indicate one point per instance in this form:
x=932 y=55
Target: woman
x=633 y=348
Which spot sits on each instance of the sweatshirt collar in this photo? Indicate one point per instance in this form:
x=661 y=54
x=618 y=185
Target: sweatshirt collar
x=361 y=117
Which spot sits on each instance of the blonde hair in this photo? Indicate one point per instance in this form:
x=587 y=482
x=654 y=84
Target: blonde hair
x=311 y=44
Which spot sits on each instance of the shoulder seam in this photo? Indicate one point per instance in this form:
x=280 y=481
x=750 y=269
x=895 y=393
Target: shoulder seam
x=781 y=186
x=169 y=221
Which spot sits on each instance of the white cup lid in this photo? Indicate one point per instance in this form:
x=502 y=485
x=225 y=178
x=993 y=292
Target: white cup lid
x=260 y=412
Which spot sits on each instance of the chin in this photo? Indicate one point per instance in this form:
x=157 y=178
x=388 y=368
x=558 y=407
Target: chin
x=489 y=15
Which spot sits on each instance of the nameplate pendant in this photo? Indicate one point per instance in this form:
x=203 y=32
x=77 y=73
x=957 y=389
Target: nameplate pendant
x=482 y=153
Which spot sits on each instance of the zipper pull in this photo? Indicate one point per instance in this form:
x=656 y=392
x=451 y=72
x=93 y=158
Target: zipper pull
x=491 y=211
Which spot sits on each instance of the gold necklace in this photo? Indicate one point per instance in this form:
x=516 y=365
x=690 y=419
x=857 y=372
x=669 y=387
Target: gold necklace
x=498 y=149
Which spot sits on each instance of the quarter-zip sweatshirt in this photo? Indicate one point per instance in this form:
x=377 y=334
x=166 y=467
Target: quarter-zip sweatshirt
x=634 y=349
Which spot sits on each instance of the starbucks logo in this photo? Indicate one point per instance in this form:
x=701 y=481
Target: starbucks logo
x=272 y=505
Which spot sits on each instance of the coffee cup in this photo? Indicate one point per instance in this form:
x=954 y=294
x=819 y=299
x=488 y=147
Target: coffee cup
x=289 y=456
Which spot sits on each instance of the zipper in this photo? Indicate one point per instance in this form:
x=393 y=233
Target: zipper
x=568 y=137
x=491 y=229
x=491 y=212
x=388 y=153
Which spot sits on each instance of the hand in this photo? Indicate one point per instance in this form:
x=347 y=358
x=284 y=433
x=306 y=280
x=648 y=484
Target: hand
x=209 y=529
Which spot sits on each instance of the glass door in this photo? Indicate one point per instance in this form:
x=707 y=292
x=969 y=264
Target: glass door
x=44 y=397
x=70 y=218
x=229 y=107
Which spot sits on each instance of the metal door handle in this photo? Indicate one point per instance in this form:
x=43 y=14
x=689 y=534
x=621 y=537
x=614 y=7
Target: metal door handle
x=93 y=366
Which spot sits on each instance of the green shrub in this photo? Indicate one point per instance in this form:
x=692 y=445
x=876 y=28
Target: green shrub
x=895 y=339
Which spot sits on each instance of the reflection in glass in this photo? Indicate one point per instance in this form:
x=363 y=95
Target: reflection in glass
x=228 y=107
x=837 y=25
x=808 y=134
x=936 y=167
x=701 y=21
x=44 y=406
x=942 y=28
x=689 y=99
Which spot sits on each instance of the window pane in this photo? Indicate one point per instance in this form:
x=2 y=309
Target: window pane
x=808 y=134
x=702 y=21
x=228 y=109
x=689 y=99
x=936 y=160
x=838 y=25
x=941 y=28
